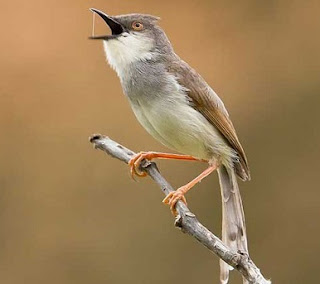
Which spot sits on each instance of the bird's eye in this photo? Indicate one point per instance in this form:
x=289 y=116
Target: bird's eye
x=137 y=26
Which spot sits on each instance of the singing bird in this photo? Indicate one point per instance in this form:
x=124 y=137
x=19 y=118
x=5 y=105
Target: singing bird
x=178 y=108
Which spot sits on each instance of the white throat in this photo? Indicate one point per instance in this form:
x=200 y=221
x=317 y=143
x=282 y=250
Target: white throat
x=126 y=49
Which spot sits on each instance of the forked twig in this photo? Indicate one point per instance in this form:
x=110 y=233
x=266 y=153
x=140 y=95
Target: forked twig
x=186 y=220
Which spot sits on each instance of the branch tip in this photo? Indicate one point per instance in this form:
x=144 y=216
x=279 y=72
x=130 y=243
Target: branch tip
x=95 y=137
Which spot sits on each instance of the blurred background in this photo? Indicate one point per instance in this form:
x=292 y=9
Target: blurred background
x=61 y=202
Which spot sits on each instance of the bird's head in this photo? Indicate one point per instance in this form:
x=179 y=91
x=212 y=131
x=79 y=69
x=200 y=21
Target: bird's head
x=133 y=37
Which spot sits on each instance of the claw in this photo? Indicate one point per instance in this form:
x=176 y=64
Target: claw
x=134 y=164
x=173 y=197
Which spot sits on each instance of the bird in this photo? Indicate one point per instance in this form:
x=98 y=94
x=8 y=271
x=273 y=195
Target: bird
x=179 y=109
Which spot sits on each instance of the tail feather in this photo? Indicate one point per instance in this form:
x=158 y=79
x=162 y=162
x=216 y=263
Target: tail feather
x=233 y=221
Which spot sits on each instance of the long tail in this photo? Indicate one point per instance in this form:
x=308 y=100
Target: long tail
x=233 y=221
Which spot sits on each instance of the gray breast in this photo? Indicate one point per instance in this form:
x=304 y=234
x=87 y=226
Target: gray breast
x=146 y=79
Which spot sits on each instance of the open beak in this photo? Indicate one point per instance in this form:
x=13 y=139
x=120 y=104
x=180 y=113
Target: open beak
x=116 y=28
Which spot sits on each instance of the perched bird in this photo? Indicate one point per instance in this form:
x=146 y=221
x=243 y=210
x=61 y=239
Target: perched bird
x=178 y=108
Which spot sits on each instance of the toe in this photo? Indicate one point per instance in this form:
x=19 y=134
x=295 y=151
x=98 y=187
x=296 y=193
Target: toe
x=166 y=200
x=183 y=199
x=175 y=198
x=132 y=172
x=174 y=211
x=174 y=201
x=134 y=164
x=173 y=207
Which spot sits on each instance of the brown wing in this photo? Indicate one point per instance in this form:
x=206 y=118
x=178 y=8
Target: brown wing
x=207 y=102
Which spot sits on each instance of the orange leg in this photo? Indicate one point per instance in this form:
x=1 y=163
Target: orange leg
x=173 y=197
x=134 y=163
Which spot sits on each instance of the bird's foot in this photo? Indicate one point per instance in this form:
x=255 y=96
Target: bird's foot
x=173 y=197
x=135 y=162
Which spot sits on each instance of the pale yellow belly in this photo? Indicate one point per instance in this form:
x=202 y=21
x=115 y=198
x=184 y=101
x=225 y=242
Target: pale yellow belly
x=182 y=128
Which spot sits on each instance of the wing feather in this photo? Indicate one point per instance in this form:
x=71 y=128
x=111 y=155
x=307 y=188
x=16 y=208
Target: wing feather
x=207 y=102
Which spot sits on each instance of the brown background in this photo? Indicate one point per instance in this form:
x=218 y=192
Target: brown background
x=61 y=203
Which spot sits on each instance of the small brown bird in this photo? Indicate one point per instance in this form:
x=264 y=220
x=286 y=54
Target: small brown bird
x=177 y=107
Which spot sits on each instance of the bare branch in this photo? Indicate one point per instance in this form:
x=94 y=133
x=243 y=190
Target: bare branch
x=186 y=220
